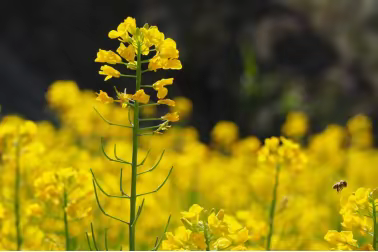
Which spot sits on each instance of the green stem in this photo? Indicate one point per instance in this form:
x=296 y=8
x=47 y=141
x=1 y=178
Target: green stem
x=17 y=196
x=150 y=127
x=66 y=228
x=135 y=154
x=127 y=75
x=151 y=119
x=207 y=239
x=273 y=208
x=375 y=228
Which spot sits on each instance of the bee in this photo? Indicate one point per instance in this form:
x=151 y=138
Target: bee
x=340 y=185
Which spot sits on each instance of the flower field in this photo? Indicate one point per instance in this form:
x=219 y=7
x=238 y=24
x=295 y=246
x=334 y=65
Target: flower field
x=79 y=185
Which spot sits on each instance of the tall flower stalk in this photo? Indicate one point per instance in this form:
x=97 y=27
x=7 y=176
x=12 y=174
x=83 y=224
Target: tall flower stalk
x=273 y=208
x=17 y=195
x=135 y=43
x=65 y=219
x=279 y=153
x=375 y=224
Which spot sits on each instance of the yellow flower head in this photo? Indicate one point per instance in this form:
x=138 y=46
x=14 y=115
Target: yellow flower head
x=153 y=35
x=222 y=243
x=57 y=94
x=109 y=57
x=160 y=87
x=167 y=49
x=168 y=102
x=123 y=30
x=158 y=62
x=360 y=128
x=104 y=98
x=34 y=210
x=2 y=212
x=109 y=72
x=193 y=214
x=282 y=151
x=128 y=53
x=296 y=124
x=172 y=117
x=341 y=239
x=362 y=196
x=225 y=133
x=141 y=96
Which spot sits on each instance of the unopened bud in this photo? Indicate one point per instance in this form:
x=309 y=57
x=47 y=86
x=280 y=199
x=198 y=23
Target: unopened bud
x=374 y=194
x=220 y=214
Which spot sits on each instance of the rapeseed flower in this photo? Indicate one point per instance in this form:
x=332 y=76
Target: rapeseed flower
x=141 y=97
x=104 y=97
x=172 y=117
x=110 y=72
x=160 y=87
x=109 y=57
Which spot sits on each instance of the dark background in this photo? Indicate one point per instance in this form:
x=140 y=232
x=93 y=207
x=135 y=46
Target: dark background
x=250 y=62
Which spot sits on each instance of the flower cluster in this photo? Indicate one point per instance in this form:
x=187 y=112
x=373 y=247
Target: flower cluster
x=282 y=151
x=43 y=188
x=147 y=39
x=206 y=230
x=359 y=212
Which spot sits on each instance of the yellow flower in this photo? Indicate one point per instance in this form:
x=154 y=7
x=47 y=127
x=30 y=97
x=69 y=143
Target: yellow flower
x=172 y=117
x=123 y=29
x=160 y=87
x=359 y=123
x=57 y=94
x=34 y=210
x=104 y=98
x=178 y=241
x=222 y=243
x=198 y=239
x=141 y=96
x=168 y=102
x=127 y=53
x=193 y=213
x=153 y=35
x=109 y=57
x=288 y=152
x=225 y=133
x=216 y=224
x=362 y=195
x=28 y=128
x=296 y=124
x=174 y=64
x=2 y=212
x=240 y=236
x=109 y=72
x=158 y=62
x=343 y=239
x=76 y=210
x=167 y=49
